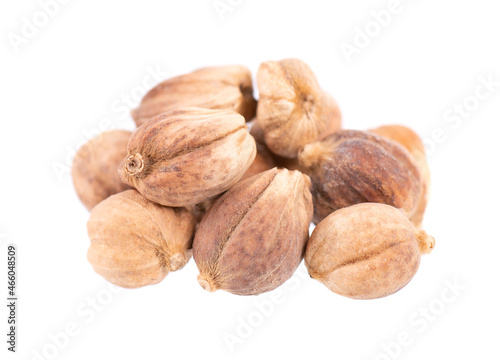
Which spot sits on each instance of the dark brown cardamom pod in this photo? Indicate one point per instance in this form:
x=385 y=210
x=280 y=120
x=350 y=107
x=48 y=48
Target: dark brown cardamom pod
x=352 y=167
x=412 y=142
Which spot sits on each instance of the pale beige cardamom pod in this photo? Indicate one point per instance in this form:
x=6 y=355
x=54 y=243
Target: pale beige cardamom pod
x=220 y=87
x=95 y=167
x=135 y=242
x=293 y=110
x=366 y=251
x=188 y=155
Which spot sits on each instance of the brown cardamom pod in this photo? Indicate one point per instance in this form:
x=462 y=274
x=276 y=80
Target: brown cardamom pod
x=293 y=110
x=412 y=142
x=366 y=251
x=352 y=167
x=135 y=242
x=188 y=155
x=253 y=238
x=220 y=87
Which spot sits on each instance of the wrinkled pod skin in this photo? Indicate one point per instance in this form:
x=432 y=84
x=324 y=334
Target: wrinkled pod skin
x=218 y=87
x=253 y=238
x=188 y=155
x=352 y=167
x=413 y=143
x=95 y=167
x=293 y=110
x=366 y=251
x=135 y=242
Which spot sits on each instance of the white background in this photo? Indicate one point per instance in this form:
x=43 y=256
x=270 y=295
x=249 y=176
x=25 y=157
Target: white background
x=91 y=58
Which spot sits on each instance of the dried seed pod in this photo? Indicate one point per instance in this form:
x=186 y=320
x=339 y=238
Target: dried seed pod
x=253 y=238
x=352 y=167
x=220 y=87
x=366 y=251
x=412 y=142
x=95 y=167
x=264 y=160
x=135 y=242
x=293 y=110
x=188 y=155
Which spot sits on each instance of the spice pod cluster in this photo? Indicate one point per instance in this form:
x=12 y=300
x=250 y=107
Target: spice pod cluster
x=213 y=174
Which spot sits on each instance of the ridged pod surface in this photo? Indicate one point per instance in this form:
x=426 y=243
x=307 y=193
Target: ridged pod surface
x=135 y=242
x=218 y=87
x=188 y=155
x=253 y=238
x=352 y=167
x=293 y=110
x=366 y=251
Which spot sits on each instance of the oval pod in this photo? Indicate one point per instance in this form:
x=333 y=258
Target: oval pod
x=293 y=110
x=366 y=251
x=352 y=167
x=188 y=155
x=135 y=242
x=253 y=238
x=218 y=87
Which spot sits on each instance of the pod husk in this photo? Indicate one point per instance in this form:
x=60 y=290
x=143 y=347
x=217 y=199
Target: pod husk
x=253 y=238
x=135 y=242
